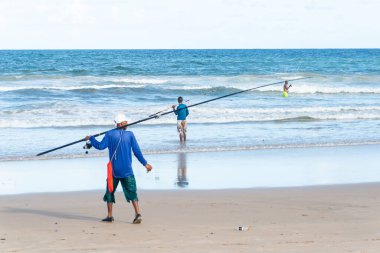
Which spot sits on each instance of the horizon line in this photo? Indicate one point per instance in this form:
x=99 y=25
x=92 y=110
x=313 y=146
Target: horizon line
x=306 y=48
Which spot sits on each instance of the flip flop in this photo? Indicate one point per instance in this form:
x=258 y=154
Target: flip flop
x=137 y=219
x=108 y=219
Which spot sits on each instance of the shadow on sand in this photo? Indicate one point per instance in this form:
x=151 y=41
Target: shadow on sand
x=53 y=214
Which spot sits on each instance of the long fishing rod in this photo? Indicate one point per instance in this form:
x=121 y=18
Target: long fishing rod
x=154 y=116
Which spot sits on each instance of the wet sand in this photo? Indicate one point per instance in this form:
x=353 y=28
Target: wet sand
x=342 y=218
x=202 y=170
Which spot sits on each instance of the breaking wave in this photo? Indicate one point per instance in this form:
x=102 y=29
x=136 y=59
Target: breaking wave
x=63 y=116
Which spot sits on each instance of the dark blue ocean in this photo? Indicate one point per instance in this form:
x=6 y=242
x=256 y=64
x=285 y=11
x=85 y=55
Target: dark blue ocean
x=49 y=98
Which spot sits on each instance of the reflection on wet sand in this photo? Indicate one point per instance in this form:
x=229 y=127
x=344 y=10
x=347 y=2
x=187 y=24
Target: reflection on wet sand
x=181 y=170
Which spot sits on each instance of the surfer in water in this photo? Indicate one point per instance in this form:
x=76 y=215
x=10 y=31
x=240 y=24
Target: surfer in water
x=182 y=112
x=285 y=90
x=120 y=144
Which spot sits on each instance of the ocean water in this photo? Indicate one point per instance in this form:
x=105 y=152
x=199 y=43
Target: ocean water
x=49 y=98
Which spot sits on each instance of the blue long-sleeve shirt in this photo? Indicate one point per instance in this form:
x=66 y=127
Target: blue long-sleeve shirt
x=122 y=162
x=181 y=114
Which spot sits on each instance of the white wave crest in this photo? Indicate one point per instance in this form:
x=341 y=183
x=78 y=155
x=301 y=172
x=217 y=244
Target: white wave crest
x=317 y=84
x=140 y=81
x=313 y=89
x=63 y=115
x=69 y=88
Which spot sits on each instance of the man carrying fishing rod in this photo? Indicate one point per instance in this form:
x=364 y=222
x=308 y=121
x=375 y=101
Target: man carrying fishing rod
x=120 y=144
x=182 y=112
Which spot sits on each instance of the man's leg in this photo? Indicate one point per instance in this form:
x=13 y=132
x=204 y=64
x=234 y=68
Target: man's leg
x=183 y=125
x=109 y=209
x=179 y=129
x=138 y=218
x=135 y=204
x=109 y=217
x=130 y=192
x=109 y=197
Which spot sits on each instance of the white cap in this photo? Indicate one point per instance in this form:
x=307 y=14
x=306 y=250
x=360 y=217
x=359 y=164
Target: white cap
x=120 y=118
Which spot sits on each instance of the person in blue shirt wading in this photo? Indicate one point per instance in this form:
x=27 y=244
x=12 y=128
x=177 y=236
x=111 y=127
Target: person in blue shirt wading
x=120 y=144
x=182 y=112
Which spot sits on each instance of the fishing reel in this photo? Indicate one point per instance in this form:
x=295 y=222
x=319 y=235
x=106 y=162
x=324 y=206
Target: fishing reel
x=88 y=145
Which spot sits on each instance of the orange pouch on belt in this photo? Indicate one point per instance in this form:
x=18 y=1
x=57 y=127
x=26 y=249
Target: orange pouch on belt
x=109 y=177
x=109 y=170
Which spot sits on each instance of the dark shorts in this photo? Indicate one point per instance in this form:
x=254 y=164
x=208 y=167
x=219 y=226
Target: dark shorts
x=129 y=189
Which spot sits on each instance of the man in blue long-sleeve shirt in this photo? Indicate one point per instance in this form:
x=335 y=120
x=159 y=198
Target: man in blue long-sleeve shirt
x=120 y=144
x=182 y=112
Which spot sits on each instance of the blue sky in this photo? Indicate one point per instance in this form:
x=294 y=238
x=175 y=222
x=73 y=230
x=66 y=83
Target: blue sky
x=111 y=24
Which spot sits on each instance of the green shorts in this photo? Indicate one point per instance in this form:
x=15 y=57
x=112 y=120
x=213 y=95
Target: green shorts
x=129 y=189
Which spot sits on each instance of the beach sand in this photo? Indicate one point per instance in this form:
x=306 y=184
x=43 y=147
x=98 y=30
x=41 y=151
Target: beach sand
x=343 y=218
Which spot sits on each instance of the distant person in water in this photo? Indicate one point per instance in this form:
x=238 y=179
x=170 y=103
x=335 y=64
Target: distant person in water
x=182 y=112
x=121 y=143
x=285 y=91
